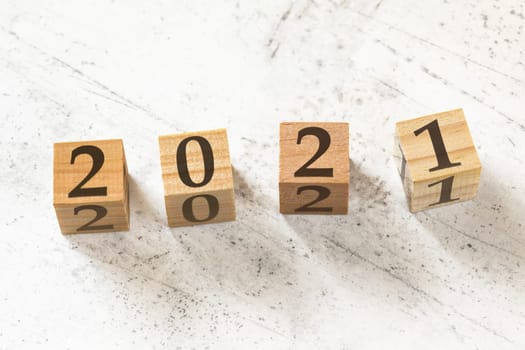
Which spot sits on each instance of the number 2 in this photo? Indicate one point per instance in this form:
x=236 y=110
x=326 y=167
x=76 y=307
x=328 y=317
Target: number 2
x=323 y=194
x=97 y=156
x=98 y=160
x=324 y=142
x=100 y=213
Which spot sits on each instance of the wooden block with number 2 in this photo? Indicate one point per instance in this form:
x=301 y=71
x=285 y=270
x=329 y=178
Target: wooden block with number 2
x=314 y=170
x=90 y=181
x=437 y=160
x=198 y=178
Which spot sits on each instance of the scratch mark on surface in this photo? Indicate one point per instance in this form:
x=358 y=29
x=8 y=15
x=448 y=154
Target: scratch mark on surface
x=393 y=88
x=474 y=97
x=493 y=108
x=148 y=278
x=116 y=96
x=103 y=87
x=435 y=76
x=378 y=5
x=488 y=244
x=282 y=19
x=275 y=50
x=414 y=288
x=110 y=99
x=428 y=42
x=258 y=324
x=390 y=48
x=157 y=256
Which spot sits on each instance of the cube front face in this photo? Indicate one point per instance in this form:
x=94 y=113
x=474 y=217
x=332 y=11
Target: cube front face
x=313 y=198
x=314 y=169
x=90 y=184
x=200 y=208
x=437 y=160
x=198 y=179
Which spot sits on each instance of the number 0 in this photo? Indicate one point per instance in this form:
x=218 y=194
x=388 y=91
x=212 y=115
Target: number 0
x=182 y=161
x=182 y=165
x=213 y=205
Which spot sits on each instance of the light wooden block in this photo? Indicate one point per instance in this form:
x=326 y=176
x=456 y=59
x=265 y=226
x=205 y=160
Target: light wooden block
x=314 y=169
x=437 y=160
x=198 y=178
x=90 y=181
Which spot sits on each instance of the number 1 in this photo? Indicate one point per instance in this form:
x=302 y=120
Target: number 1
x=442 y=159
x=446 y=190
x=438 y=144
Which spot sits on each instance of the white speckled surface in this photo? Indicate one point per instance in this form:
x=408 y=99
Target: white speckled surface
x=450 y=278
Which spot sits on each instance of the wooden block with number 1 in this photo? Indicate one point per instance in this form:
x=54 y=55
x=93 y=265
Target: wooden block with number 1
x=437 y=160
x=198 y=178
x=90 y=181
x=314 y=169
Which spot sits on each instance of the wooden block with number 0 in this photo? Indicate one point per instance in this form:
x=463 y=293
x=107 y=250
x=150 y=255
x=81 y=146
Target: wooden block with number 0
x=198 y=178
x=437 y=160
x=314 y=169
x=90 y=181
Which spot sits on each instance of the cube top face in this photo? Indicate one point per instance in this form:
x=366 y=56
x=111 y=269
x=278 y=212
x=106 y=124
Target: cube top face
x=314 y=152
x=195 y=162
x=89 y=172
x=437 y=145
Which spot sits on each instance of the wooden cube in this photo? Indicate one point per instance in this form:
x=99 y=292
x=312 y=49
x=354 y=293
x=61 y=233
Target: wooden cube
x=314 y=169
x=90 y=181
x=198 y=178
x=437 y=160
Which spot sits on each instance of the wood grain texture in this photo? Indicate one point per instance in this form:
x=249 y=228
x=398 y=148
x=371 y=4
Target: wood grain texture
x=417 y=160
x=378 y=278
x=68 y=173
x=296 y=192
x=220 y=184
